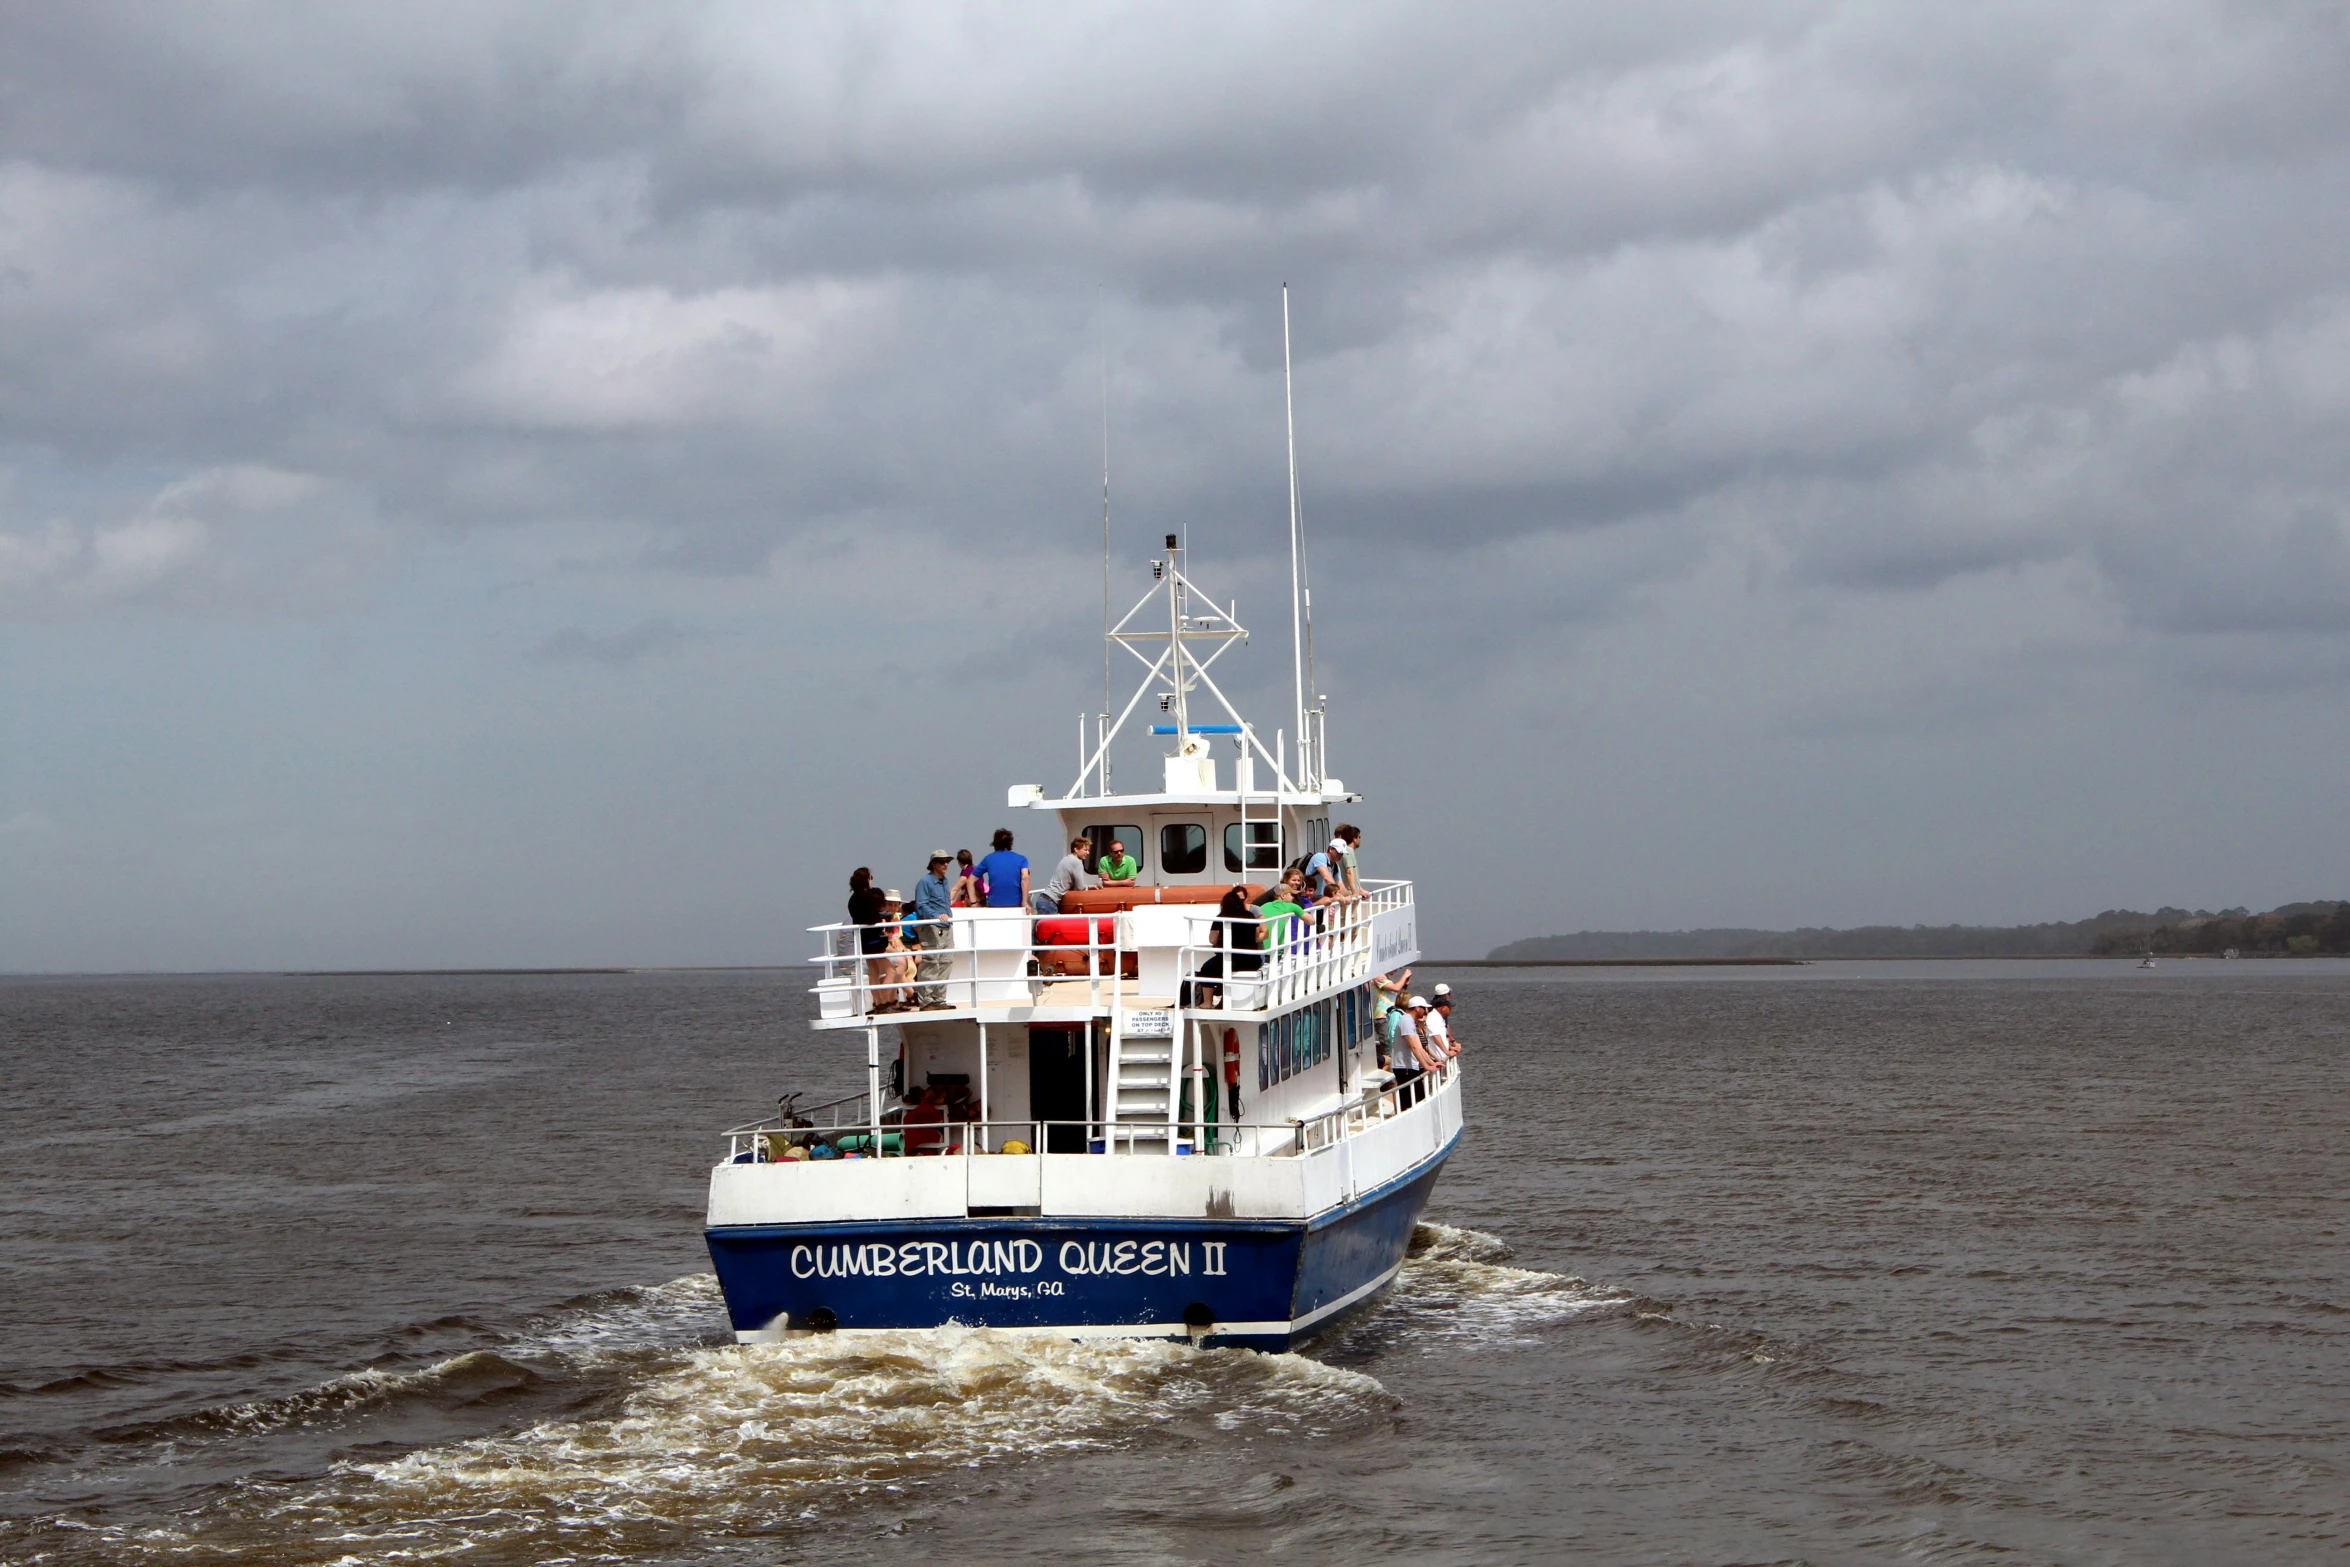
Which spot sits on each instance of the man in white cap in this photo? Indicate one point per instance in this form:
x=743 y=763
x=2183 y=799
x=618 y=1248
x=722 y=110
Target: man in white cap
x=1409 y=1032
x=1438 y=1028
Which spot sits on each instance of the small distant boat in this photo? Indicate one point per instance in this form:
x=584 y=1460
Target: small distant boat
x=2147 y=961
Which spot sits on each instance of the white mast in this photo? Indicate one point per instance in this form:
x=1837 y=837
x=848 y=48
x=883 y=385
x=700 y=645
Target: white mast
x=1174 y=671
x=1175 y=639
x=1105 y=713
x=1297 y=615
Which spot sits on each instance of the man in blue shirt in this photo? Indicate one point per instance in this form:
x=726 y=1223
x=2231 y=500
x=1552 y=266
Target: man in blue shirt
x=1323 y=876
x=934 y=906
x=1004 y=874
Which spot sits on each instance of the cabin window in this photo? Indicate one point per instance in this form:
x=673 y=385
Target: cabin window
x=1100 y=837
x=1307 y=1037
x=1317 y=829
x=1252 y=846
x=1296 y=1043
x=1183 y=848
x=1354 y=1019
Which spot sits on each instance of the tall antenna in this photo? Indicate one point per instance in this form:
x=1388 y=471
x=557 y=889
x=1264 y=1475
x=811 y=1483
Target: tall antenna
x=1105 y=715
x=1297 y=611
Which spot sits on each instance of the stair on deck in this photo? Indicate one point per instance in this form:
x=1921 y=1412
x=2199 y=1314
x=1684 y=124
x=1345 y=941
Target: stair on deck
x=1146 y=1073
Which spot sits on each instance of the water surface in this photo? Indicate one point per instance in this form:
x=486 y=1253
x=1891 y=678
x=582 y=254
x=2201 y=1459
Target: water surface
x=1856 y=1263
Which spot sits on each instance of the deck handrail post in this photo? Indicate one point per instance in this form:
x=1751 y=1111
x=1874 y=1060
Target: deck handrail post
x=873 y=1085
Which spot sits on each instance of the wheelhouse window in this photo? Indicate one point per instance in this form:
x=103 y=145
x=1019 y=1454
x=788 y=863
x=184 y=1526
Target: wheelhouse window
x=1101 y=837
x=1183 y=848
x=1252 y=846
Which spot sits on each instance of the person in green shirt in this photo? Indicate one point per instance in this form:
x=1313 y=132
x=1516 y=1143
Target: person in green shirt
x=1280 y=913
x=1117 y=868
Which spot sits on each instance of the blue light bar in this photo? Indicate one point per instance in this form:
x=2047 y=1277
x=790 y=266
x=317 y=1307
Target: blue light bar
x=1197 y=729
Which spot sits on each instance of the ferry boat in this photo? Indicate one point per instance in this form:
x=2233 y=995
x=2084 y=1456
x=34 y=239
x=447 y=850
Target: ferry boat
x=1126 y=1118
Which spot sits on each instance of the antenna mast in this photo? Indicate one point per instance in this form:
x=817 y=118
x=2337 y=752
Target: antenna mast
x=1105 y=713
x=1297 y=621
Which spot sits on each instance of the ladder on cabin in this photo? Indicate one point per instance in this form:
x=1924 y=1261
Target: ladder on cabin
x=1260 y=821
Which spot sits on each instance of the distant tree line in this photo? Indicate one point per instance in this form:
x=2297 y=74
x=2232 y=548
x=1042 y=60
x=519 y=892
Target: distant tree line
x=2294 y=929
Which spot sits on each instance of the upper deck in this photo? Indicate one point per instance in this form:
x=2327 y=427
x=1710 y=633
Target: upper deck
x=1159 y=956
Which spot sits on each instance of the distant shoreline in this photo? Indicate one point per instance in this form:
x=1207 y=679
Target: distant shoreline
x=2312 y=929
x=1614 y=962
x=1857 y=957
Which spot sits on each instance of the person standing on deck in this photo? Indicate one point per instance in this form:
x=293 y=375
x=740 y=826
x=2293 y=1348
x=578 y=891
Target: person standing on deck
x=1323 y=877
x=1343 y=844
x=934 y=906
x=1004 y=874
x=897 y=941
x=1416 y=1037
x=1441 y=1042
x=865 y=912
x=1386 y=991
x=1392 y=1056
x=1281 y=911
x=1068 y=876
x=1118 y=867
x=1407 y=1056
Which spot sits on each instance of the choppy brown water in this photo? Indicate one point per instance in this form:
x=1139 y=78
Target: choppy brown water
x=1841 y=1265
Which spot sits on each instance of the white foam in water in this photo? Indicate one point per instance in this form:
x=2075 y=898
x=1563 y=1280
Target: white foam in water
x=734 y=1439
x=1456 y=1284
x=683 y=1312
x=713 y=1441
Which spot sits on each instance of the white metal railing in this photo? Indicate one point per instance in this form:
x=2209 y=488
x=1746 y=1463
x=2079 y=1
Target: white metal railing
x=1340 y=1122
x=991 y=961
x=1325 y=950
x=769 y=1143
x=843 y=1126
x=975 y=969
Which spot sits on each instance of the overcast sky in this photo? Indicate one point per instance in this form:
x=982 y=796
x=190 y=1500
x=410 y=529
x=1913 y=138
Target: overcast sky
x=561 y=484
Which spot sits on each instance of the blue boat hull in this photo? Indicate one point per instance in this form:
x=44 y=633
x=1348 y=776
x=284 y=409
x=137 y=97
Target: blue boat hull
x=1256 y=1283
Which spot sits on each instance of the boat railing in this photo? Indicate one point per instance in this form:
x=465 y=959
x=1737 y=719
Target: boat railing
x=848 y=1133
x=992 y=960
x=846 y=1114
x=1297 y=957
x=1384 y=1102
x=985 y=969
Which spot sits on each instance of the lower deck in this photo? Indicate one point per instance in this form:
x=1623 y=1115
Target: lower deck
x=1256 y=1252
x=1312 y=1166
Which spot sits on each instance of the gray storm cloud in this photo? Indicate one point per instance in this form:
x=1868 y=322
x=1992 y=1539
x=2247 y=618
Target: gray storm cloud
x=1967 y=363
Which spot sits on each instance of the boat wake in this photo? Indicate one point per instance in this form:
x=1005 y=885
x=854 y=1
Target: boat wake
x=696 y=1441
x=666 y=1436
x=1457 y=1286
x=736 y=1440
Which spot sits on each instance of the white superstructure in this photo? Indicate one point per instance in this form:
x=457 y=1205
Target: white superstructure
x=1133 y=981
x=1066 y=1111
